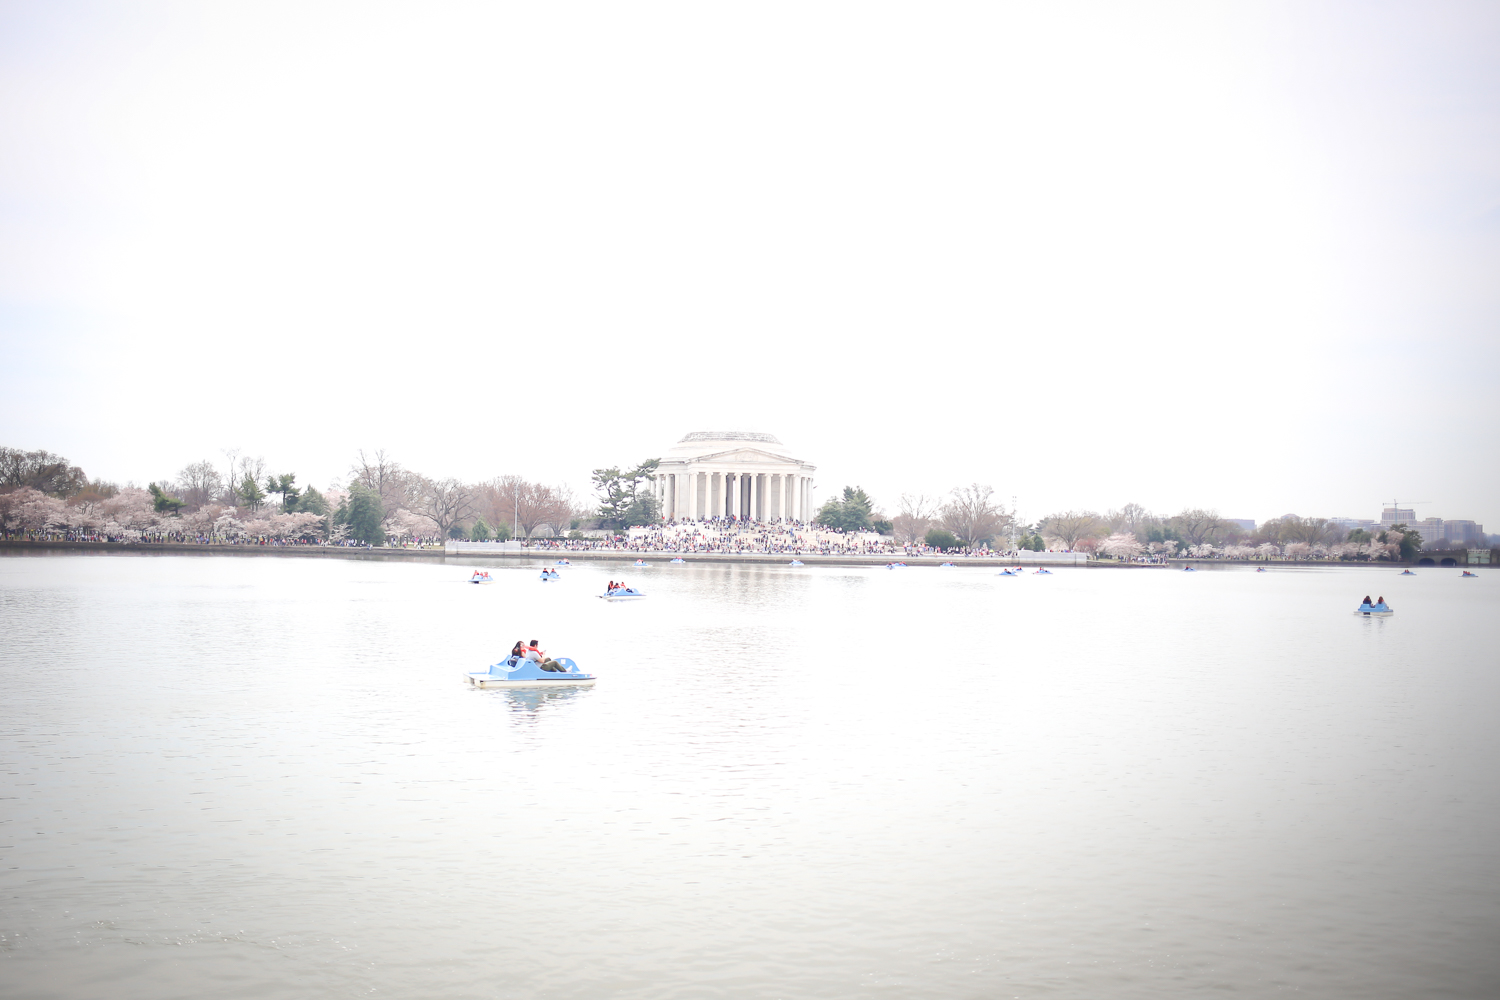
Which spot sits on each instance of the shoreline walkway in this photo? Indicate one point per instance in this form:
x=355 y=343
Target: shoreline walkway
x=471 y=553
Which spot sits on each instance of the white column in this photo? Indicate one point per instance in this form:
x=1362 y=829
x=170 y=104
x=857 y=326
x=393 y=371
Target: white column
x=734 y=498
x=755 y=497
x=692 y=497
x=778 y=492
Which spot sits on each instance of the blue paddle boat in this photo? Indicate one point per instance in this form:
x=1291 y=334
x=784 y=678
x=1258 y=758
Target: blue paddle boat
x=1471 y=575
x=796 y=562
x=946 y=566
x=551 y=574
x=481 y=576
x=1043 y=572
x=562 y=562
x=895 y=565
x=1190 y=569
x=622 y=594
x=1407 y=572
x=1379 y=609
x=1009 y=572
x=516 y=672
x=678 y=561
x=641 y=564
x=1260 y=569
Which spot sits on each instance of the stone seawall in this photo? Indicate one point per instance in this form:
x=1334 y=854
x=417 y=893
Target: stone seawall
x=12 y=545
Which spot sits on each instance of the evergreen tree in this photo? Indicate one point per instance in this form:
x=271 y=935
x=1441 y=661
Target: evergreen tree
x=941 y=538
x=363 y=512
x=621 y=496
x=311 y=502
x=251 y=493
x=163 y=503
x=480 y=532
x=849 y=512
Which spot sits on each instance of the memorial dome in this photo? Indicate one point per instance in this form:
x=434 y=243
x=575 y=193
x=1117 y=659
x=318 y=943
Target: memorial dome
x=696 y=443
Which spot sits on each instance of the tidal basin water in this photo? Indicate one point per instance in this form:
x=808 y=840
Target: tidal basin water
x=265 y=777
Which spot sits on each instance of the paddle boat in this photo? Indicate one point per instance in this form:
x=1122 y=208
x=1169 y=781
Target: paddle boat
x=481 y=576
x=1009 y=572
x=551 y=574
x=678 y=561
x=622 y=594
x=1260 y=569
x=1407 y=572
x=562 y=562
x=796 y=562
x=1043 y=572
x=517 y=672
x=1467 y=573
x=1379 y=609
x=946 y=566
x=1190 y=569
x=895 y=565
x=641 y=564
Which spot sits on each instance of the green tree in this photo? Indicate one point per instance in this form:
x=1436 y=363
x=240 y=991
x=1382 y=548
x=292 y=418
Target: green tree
x=283 y=487
x=363 y=512
x=251 y=493
x=1358 y=535
x=849 y=512
x=311 y=502
x=1409 y=539
x=643 y=511
x=941 y=538
x=163 y=503
x=456 y=530
x=620 y=494
x=480 y=531
x=884 y=527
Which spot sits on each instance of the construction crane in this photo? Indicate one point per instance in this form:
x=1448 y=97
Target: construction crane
x=1411 y=505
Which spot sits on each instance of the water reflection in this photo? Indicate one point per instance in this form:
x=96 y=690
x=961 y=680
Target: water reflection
x=529 y=703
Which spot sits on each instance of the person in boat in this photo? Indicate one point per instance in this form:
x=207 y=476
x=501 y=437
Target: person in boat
x=539 y=656
x=1367 y=602
x=517 y=652
x=1380 y=603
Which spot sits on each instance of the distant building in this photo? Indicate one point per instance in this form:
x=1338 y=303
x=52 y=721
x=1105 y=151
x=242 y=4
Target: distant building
x=1465 y=533
x=1397 y=515
x=1348 y=524
x=1244 y=522
x=1436 y=533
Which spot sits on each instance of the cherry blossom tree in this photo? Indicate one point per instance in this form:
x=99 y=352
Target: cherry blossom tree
x=1122 y=545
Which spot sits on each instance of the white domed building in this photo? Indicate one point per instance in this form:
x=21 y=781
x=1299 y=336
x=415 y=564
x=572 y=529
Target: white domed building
x=738 y=474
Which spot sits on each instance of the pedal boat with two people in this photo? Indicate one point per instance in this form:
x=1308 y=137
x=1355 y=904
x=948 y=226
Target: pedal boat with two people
x=641 y=564
x=622 y=594
x=518 y=672
x=551 y=574
x=481 y=576
x=796 y=562
x=1470 y=575
x=678 y=561
x=1379 y=609
x=1406 y=572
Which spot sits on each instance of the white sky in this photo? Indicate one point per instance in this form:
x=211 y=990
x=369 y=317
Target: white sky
x=1239 y=256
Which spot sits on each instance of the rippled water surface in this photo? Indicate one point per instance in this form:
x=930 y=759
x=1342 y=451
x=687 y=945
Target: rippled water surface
x=264 y=777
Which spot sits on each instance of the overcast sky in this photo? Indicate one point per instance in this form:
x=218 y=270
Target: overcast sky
x=1237 y=256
